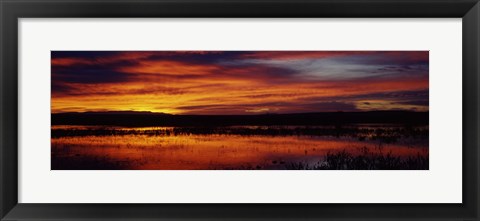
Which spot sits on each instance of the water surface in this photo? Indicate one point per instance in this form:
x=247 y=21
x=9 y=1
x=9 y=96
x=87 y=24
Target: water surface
x=241 y=147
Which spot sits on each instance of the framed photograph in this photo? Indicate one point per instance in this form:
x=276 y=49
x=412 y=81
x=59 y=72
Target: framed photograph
x=227 y=110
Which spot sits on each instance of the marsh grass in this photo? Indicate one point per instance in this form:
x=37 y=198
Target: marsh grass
x=382 y=134
x=366 y=160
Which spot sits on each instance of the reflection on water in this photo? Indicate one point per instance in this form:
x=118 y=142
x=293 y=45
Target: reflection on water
x=167 y=148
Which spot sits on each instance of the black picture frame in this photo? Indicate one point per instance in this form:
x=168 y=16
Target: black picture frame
x=11 y=10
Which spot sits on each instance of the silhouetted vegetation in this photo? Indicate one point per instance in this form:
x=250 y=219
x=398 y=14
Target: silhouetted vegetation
x=383 y=134
x=144 y=119
x=367 y=160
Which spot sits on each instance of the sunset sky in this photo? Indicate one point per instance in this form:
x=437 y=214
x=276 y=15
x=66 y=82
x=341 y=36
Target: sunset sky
x=239 y=82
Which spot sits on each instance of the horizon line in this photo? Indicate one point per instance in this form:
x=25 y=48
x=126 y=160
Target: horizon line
x=269 y=113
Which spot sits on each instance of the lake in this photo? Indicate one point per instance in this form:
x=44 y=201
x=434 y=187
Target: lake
x=239 y=147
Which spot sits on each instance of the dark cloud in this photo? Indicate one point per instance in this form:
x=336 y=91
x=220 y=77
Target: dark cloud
x=415 y=97
x=416 y=94
x=402 y=58
x=89 y=75
x=196 y=57
x=414 y=102
x=60 y=88
x=106 y=67
x=270 y=107
x=83 y=54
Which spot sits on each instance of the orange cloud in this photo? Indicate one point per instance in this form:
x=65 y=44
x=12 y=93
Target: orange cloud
x=169 y=68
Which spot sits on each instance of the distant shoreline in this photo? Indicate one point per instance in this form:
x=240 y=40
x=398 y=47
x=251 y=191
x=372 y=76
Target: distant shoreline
x=134 y=119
